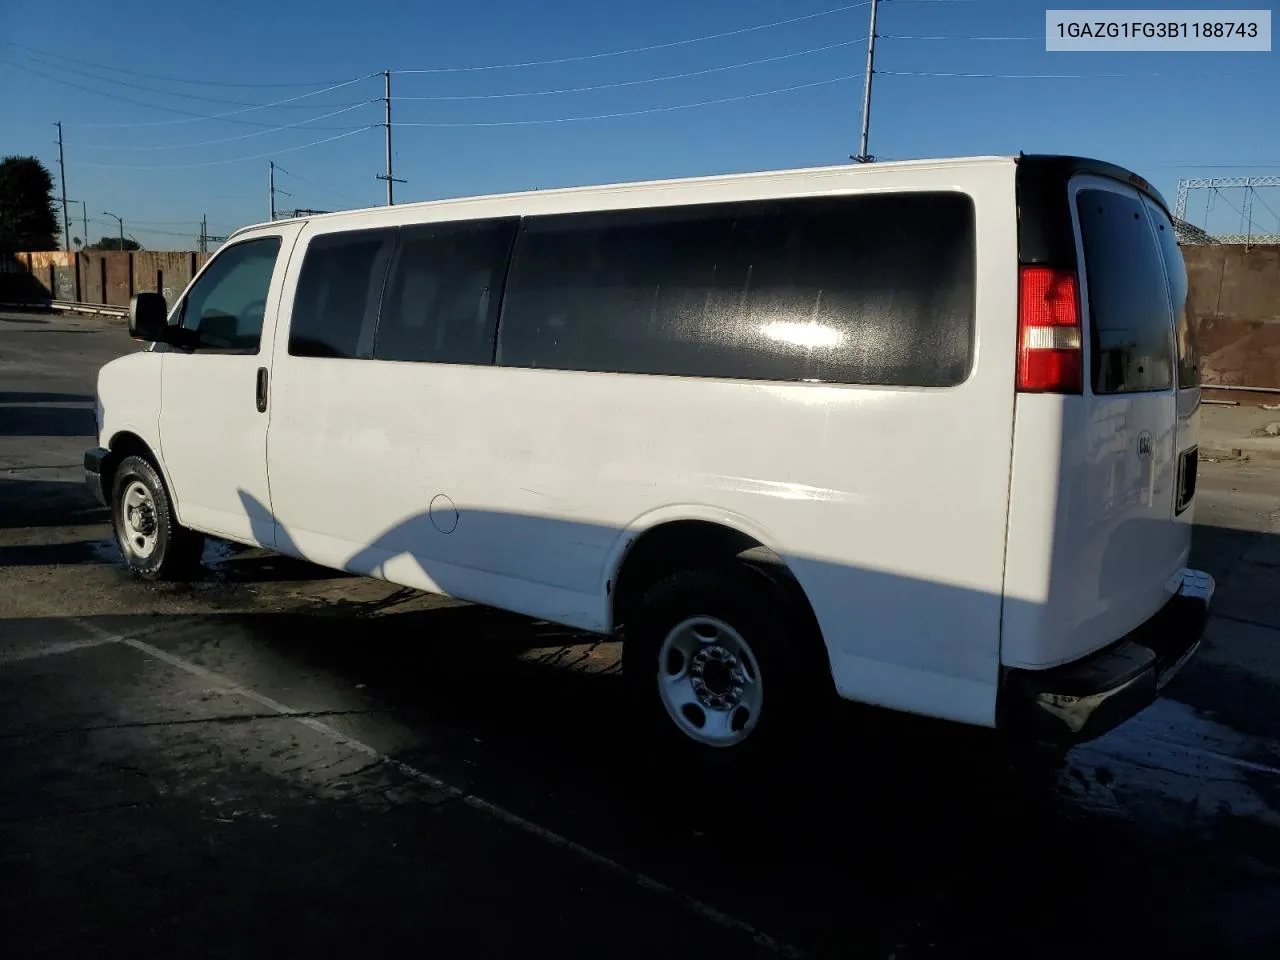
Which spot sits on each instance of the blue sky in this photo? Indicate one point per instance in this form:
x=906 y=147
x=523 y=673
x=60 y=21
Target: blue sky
x=1203 y=108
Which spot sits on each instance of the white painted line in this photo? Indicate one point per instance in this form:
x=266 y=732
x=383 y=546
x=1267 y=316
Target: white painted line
x=53 y=649
x=1235 y=761
x=692 y=904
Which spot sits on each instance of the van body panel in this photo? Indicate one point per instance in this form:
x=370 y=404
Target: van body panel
x=520 y=487
x=128 y=402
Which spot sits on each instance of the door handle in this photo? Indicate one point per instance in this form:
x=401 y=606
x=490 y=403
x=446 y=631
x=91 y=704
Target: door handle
x=262 y=390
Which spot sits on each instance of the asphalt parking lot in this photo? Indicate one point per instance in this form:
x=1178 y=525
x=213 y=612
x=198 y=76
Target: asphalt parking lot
x=279 y=760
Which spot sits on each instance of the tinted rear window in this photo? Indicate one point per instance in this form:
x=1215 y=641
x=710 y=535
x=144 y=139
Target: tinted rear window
x=868 y=289
x=335 y=309
x=1128 y=301
x=1176 y=271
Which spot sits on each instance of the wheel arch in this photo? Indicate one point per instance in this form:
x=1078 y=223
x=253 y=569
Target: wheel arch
x=673 y=539
x=127 y=443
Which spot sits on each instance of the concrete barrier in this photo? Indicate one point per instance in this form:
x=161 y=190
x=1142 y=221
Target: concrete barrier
x=164 y=271
x=56 y=272
x=91 y=267
x=1234 y=303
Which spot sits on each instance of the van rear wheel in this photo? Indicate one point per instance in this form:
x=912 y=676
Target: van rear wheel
x=713 y=664
x=154 y=546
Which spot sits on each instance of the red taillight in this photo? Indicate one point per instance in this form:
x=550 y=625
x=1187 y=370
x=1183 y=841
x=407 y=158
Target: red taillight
x=1050 y=346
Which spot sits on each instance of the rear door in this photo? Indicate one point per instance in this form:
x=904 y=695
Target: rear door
x=1126 y=526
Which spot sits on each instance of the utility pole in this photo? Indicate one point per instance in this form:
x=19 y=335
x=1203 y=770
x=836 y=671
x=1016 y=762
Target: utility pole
x=863 y=156
x=205 y=236
x=271 y=186
x=62 y=171
x=83 y=210
x=121 y=221
x=388 y=176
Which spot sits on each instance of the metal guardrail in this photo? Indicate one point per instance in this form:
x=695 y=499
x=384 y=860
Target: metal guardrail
x=1232 y=386
x=70 y=306
x=100 y=309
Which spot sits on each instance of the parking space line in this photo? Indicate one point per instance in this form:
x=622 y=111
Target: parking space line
x=53 y=649
x=479 y=804
x=97 y=638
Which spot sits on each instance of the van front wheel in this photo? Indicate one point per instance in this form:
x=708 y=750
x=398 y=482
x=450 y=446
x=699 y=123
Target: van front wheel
x=154 y=546
x=712 y=662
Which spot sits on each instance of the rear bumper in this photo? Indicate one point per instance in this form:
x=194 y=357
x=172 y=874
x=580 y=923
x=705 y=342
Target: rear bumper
x=93 y=461
x=1083 y=700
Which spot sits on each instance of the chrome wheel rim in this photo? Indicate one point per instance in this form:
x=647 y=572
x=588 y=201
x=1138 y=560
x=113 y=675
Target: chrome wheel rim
x=139 y=524
x=709 y=681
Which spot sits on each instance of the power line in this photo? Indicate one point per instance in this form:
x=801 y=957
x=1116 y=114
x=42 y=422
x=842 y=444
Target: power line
x=1223 y=198
x=1002 y=76
x=633 y=83
x=215 y=163
x=234 y=113
x=188 y=115
x=243 y=136
x=167 y=223
x=655 y=46
x=171 y=79
x=636 y=113
x=1062 y=76
x=895 y=36
x=1257 y=196
x=147 y=88
x=317 y=186
x=133 y=224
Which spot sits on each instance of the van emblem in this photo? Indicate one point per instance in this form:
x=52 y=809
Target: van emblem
x=1144 y=445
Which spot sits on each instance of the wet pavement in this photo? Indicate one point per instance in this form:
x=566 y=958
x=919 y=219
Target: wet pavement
x=280 y=760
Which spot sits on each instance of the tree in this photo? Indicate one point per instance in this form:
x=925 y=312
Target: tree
x=28 y=220
x=113 y=243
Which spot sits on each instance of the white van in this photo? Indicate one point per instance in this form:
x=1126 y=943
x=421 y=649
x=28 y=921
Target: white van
x=920 y=433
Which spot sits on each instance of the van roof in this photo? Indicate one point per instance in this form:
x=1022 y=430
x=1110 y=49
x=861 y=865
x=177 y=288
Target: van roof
x=1074 y=164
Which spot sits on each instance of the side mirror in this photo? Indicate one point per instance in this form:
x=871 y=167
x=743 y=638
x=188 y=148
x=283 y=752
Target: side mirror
x=149 y=317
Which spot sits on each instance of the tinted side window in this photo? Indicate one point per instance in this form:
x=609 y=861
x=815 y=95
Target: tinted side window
x=335 y=309
x=443 y=295
x=632 y=291
x=1128 y=300
x=870 y=289
x=1176 y=271
x=227 y=304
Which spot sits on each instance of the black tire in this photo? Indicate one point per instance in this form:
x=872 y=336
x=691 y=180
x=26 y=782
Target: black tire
x=175 y=554
x=788 y=657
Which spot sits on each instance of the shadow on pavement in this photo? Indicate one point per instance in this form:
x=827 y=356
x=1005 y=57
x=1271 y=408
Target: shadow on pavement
x=46 y=503
x=20 y=396
x=237 y=564
x=32 y=421
x=884 y=835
